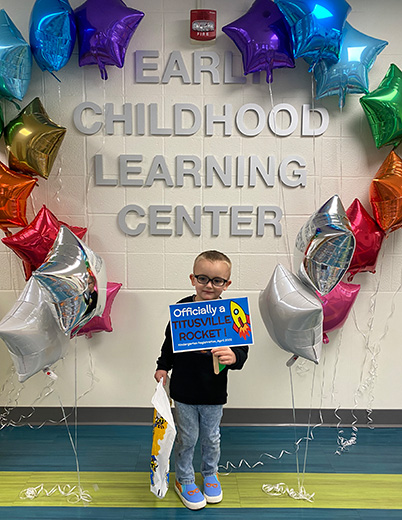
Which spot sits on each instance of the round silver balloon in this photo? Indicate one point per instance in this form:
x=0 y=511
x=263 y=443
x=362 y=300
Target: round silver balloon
x=292 y=314
x=31 y=333
x=74 y=279
x=324 y=247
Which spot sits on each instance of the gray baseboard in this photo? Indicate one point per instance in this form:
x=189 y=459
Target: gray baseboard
x=231 y=416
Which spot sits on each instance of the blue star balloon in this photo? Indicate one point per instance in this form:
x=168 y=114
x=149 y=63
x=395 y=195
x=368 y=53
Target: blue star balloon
x=263 y=37
x=52 y=33
x=316 y=27
x=15 y=60
x=350 y=74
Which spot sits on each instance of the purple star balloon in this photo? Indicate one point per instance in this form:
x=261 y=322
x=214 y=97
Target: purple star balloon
x=105 y=28
x=263 y=37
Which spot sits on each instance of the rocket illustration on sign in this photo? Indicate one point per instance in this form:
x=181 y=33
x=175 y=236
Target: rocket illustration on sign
x=241 y=320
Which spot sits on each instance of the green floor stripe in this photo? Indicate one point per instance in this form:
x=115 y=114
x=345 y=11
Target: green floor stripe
x=241 y=490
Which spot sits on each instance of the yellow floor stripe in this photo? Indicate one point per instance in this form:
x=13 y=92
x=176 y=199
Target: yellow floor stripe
x=339 y=491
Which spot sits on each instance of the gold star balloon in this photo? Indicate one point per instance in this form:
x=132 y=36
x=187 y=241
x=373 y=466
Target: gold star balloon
x=386 y=193
x=383 y=108
x=33 y=140
x=15 y=188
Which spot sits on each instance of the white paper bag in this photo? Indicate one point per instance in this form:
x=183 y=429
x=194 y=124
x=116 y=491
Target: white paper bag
x=164 y=433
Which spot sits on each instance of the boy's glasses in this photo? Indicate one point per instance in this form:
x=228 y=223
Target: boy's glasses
x=204 y=280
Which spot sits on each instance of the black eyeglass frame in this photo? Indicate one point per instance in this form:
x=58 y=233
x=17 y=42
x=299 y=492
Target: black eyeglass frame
x=197 y=276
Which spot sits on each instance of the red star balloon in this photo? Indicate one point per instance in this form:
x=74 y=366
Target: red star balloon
x=33 y=243
x=15 y=188
x=383 y=108
x=33 y=140
x=105 y=28
x=102 y=323
x=386 y=193
x=369 y=237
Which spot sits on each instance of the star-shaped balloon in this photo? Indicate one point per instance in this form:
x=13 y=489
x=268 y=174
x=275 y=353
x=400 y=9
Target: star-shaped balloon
x=324 y=247
x=263 y=37
x=33 y=140
x=369 y=237
x=33 y=243
x=31 y=333
x=292 y=314
x=350 y=74
x=337 y=305
x=52 y=33
x=383 y=108
x=15 y=60
x=105 y=28
x=102 y=323
x=14 y=191
x=386 y=193
x=316 y=27
x=74 y=279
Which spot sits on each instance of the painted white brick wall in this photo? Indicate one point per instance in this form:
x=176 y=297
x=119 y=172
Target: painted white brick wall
x=154 y=269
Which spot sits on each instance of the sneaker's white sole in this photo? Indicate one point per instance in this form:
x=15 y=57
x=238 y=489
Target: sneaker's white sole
x=191 y=505
x=213 y=500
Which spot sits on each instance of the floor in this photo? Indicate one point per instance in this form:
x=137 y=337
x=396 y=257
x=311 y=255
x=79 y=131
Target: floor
x=362 y=482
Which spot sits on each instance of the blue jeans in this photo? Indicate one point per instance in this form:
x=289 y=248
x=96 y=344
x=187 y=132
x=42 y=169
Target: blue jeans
x=193 y=421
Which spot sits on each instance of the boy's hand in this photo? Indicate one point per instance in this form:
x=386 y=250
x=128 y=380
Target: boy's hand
x=225 y=355
x=161 y=374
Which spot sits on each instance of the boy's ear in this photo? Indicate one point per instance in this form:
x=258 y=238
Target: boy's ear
x=227 y=284
x=191 y=276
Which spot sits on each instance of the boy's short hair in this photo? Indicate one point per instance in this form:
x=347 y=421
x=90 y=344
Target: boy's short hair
x=213 y=256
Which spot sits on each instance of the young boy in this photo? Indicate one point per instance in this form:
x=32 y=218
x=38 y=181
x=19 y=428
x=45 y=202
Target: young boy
x=198 y=392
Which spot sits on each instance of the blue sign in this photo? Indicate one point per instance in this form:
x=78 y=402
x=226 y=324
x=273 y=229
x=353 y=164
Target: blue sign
x=208 y=324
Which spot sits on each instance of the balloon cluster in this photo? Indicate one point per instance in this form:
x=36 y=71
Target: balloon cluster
x=104 y=29
x=273 y=34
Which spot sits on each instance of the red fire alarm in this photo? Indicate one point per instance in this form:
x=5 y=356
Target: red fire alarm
x=202 y=24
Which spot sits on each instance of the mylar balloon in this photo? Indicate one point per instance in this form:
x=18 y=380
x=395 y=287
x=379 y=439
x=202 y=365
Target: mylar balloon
x=292 y=315
x=386 y=193
x=31 y=333
x=33 y=243
x=369 y=237
x=16 y=60
x=383 y=108
x=102 y=323
x=1 y=122
x=33 y=140
x=105 y=28
x=52 y=33
x=316 y=27
x=350 y=74
x=324 y=247
x=263 y=37
x=15 y=188
x=337 y=305
x=74 y=279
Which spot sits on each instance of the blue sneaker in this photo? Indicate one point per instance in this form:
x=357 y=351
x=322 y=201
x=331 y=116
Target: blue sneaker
x=212 y=489
x=190 y=495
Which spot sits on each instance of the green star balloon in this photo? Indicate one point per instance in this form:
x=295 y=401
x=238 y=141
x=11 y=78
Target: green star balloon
x=383 y=108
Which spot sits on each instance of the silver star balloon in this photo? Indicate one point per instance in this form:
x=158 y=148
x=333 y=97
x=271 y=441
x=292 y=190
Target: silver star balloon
x=32 y=334
x=74 y=279
x=324 y=247
x=292 y=315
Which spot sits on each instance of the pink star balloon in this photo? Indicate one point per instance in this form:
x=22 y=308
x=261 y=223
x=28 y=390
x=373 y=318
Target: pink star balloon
x=337 y=305
x=104 y=322
x=33 y=243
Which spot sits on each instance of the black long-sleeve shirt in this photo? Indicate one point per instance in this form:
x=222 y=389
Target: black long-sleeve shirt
x=193 y=380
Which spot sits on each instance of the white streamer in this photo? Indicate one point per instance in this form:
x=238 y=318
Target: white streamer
x=74 y=494
x=283 y=489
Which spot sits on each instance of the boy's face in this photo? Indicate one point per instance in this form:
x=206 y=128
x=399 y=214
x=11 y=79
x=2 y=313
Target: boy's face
x=211 y=270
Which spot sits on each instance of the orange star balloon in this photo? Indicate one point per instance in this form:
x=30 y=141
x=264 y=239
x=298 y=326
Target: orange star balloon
x=14 y=191
x=386 y=193
x=33 y=140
